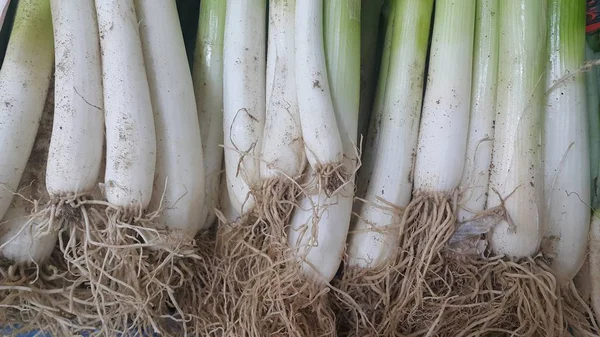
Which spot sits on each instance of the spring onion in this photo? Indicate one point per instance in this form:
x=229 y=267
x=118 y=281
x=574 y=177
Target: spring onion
x=207 y=75
x=76 y=146
x=516 y=172
x=22 y=239
x=566 y=149
x=445 y=117
x=442 y=139
x=320 y=131
x=475 y=180
x=130 y=133
x=24 y=81
x=392 y=137
x=319 y=226
x=282 y=147
x=179 y=179
x=244 y=75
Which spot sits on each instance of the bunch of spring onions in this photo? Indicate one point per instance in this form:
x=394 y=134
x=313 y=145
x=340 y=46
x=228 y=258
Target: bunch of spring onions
x=502 y=124
x=124 y=104
x=389 y=167
x=290 y=121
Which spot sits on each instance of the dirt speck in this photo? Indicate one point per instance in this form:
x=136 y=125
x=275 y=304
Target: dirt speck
x=549 y=245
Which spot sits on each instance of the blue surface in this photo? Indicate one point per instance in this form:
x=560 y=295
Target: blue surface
x=35 y=333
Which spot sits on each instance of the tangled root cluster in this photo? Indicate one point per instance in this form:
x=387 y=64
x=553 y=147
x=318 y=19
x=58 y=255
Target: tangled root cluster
x=428 y=290
x=244 y=280
x=107 y=277
x=257 y=288
x=133 y=271
x=40 y=298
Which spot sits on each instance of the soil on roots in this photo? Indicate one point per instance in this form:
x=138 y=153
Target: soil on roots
x=331 y=177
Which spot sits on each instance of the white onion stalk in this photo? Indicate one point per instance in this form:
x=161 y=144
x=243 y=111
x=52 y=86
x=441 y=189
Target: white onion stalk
x=392 y=137
x=320 y=131
x=476 y=175
x=207 y=76
x=111 y=248
x=516 y=173
x=179 y=179
x=75 y=154
x=282 y=147
x=24 y=81
x=318 y=228
x=130 y=133
x=566 y=147
x=21 y=240
x=445 y=117
x=244 y=61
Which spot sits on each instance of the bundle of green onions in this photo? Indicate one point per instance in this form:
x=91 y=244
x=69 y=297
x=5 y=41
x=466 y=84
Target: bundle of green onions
x=124 y=103
x=321 y=168
x=497 y=226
